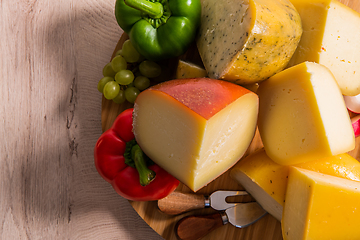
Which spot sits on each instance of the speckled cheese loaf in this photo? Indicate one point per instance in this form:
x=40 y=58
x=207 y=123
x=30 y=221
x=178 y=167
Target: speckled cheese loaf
x=247 y=41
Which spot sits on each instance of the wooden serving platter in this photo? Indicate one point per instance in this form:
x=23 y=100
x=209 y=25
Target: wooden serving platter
x=267 y=228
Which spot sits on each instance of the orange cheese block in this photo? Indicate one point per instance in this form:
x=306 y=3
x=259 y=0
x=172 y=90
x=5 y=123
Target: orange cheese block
x=267 y=181
x=195 y=129
x=321 y=207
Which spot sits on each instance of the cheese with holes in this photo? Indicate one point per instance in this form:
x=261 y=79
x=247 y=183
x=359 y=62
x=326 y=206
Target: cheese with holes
x=331 y=33
x=302 y=115
x=195 y=129
x=247 y=41
x=266 y=180
x=321 y=207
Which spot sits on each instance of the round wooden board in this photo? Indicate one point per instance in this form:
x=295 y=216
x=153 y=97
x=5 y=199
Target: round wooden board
x=267 y=228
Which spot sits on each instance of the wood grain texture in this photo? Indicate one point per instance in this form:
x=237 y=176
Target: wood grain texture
x=179 y=202
x=52 y=55
x=267 y=228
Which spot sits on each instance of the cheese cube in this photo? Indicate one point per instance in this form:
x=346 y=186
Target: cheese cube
x=302 y=115
x=266 y=180
x=331 y=33
x=321 y=207
x=195 y=129
x=247 y=41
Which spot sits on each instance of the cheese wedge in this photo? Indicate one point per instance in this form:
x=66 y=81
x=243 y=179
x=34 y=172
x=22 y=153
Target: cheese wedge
x=331 y=33
x=266 y=180
x=189 y=70
x=195 y=129
x=302 y=115
x=321 y=207
x=247 y=41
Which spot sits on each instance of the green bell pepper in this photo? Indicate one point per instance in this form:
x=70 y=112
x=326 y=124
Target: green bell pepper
x=159 y=29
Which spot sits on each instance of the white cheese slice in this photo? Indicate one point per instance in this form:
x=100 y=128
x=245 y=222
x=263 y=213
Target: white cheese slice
x=331 y=33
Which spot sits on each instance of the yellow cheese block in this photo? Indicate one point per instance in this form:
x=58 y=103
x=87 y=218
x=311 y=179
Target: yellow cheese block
x=331 y=33
x=247 y=41
x=302 y=115
x=189 y=70
x=266 y=180
x=195 y=129
x=320 y=207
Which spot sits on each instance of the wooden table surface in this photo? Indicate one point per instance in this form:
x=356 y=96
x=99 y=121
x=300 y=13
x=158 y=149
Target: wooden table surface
x=52 y=55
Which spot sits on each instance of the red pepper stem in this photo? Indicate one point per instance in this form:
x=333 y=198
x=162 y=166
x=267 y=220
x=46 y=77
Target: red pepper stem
x=153 y=9
x=145 y=174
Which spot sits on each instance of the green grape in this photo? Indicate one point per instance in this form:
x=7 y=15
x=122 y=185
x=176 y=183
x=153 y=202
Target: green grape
x=131 y=84
x=141 y=82
x=129 y=52
x=118 y=52
x=131 y=94
x=118 y=63
x=137 y=73
x=111 y=90
x=108 y=71
x=102 y=83
x=150 y=69
x=124 y=77
x=120 y=98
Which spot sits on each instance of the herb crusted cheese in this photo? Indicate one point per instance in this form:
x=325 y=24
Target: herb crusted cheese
x=247 y=41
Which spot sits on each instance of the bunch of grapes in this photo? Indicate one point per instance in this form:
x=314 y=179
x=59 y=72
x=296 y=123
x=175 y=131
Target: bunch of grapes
x=127 y=75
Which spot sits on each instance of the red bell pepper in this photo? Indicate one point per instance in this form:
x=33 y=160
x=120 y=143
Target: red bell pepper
x=121 y=162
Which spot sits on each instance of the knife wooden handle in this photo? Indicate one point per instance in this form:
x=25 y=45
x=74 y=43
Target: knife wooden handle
x=196 y=227
x=178 y=202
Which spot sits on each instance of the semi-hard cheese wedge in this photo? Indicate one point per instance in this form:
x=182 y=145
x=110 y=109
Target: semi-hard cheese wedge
x=302 y=115
x=189 y=70
x=266 y=180
x=331 y=33
x=247 y=41
x=320 y=207
x=195 y=129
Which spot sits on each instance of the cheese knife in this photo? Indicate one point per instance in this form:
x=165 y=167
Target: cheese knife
x=178 y=202
x=195 y=227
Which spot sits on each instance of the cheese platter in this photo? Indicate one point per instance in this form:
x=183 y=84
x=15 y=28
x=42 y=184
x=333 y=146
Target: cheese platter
x=267 y=227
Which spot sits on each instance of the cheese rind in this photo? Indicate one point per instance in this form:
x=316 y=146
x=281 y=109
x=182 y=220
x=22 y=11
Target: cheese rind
x=319 y=206
x=195 y=129
x=302 y=115
x=266 y=180
x=247 y=41
x=330 y=37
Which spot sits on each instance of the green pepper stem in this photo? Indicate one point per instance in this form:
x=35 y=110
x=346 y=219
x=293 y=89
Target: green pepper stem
x=145 y=174
x=153 y=9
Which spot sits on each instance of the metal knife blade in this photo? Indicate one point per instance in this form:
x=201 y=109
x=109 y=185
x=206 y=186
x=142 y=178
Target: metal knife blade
x=195 y=227
x=243 y=214
x=217 y=200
